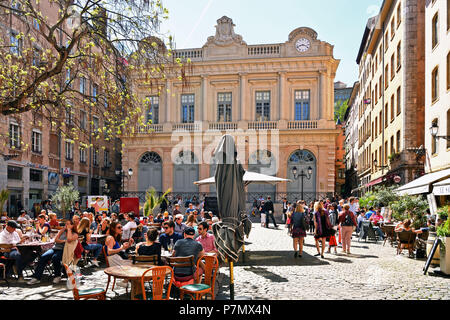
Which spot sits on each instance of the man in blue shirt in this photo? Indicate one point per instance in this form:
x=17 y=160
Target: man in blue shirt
x=369 y=213
x=169 y=234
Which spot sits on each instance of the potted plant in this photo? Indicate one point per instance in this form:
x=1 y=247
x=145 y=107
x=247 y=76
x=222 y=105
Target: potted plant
x=443 y=213
x=152 y=201
x=443 y=232
x=64 y=198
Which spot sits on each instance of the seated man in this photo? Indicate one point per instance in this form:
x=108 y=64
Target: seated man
x=10 y=236
x=206 y=239
x=24 y=217
x=369 y=213
x=131 y=224
x=169 y=234
x=179 y=224
x=188 y=247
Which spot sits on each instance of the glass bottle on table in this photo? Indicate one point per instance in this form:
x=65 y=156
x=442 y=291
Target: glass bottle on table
x=170 y=246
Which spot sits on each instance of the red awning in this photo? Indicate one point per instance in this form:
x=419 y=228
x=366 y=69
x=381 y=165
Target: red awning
x=374 y=182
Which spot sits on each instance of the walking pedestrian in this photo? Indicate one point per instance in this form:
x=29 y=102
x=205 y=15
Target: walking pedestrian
x=311 y=217
x=347 y=221
x=298 y=225
x=334 y=220
x=323 y=227
x=268 y=208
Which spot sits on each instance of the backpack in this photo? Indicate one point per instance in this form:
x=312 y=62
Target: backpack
x=299 y=220
x=348 y=222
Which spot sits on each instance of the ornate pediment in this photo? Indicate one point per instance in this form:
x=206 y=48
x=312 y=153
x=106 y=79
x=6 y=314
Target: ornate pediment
x=303 y=30
x=225 y=33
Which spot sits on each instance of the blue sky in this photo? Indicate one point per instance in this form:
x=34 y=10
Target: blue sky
x=339 y=22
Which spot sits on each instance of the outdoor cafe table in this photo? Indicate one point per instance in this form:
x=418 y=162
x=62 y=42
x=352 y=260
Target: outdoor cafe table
x=133 y=273
x=29 y=251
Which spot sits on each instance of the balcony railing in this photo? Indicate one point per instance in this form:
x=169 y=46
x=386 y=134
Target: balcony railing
x=150 y=128
x=193 y=54
x=185 y=127
x=263 y=125
x=222 y=126
x=303 y=125
x=264 y=50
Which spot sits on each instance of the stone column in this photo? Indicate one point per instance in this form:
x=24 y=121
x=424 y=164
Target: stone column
x=168 y=98
x=26 y=187
x=167 y=170
x=242 y=95
x=204 y=114
x=280 y=111
x=322 y=96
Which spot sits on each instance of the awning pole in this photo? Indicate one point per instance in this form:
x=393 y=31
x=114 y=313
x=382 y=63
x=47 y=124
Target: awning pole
x=231 y=280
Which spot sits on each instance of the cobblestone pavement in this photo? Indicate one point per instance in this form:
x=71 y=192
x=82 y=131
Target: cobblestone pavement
x=270 y=271
x=371 y=272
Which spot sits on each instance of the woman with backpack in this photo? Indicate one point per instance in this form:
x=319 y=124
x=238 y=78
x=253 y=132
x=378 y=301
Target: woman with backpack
x=333 y=215
x=299 y=223
x=347 y=222
x=323 y=227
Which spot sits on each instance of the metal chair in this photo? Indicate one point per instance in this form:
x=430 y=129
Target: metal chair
x=95 y=293
x=107 y=265
x=153 y=259
x=198 y=290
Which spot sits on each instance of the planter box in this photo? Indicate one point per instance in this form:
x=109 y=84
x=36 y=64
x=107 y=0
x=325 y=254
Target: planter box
x=445 y=256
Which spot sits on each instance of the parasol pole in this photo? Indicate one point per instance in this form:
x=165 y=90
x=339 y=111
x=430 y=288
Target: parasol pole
x=231 y=280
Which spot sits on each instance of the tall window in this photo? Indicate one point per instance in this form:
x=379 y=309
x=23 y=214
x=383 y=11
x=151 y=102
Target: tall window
x=399 y=106
x=399 y=14
x=16 y=44
x=82 y=155
x=448 y=128
x=95 y=157
x=69 y=150
x=385 y=160
x=106 y=158
x=392 y=66
x=376 y=127
x=398 y=141
x=224 y=106
x=36 y=141
x=448 y=69
x=399 y=55
x=386 y=78
x=68 y=78
x=386 y=115
x=95 y=123
x=14 y=136
x=302 y=105
x=435 y=84
x=69 y=115
x=381 y=122
x=392 y=27
x=263 y=105
x=83 y=85
x=435 y=30
x=152 y=110
x=448 y=14
x=94 y=92
x=36 y=57
x=392 y=145
x=386 y=41
x=83 y=119
x=434 y=139
x=392 y=107
x=380 y=85
x=187 y=108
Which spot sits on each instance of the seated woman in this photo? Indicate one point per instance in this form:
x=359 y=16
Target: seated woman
x=54 y=224
x=85 y=232
x=191 y=222
x=103 y=227
x=114 y=248
x=406 y=226
x=68 y=233
x=150 y=246
x=42 y=226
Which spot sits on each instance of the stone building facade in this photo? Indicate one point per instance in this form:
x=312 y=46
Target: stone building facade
x=275 y=99
x=391 y=98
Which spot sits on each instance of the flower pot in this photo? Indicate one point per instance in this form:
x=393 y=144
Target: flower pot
x=445 y=256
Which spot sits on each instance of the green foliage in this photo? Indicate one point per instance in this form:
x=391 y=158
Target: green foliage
x=443 y=212
x=152 y=200
x=410 y=207
x=444 y=229
x=380 y=197
x=4 y=194
x=340 y=108
x=64 y=198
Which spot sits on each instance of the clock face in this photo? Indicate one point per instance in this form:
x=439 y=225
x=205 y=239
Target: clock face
x=302 y=45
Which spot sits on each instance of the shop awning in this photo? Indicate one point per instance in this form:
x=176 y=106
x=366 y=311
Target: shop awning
x=422 y=184
x=374 y=182
x=442 y=188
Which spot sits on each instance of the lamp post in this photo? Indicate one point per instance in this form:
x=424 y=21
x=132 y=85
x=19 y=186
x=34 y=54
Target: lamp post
x=434 y=129
x=123 y=175
x=302 y=175
x=375 y=163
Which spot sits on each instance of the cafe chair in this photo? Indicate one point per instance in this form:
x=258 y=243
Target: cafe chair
x=3 y=269
x=389 y=233
x=107 y=265
x=367 y=232
x=406 y=240
x=153 y=259
x=198 y=290
x=179 y=281
x=159 y=283
x=95 y=293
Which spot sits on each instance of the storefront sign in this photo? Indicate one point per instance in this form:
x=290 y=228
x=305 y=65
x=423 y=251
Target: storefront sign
x=66 y=172
x=37 y=166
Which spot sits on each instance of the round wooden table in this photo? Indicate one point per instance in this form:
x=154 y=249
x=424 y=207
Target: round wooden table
x=133 y=273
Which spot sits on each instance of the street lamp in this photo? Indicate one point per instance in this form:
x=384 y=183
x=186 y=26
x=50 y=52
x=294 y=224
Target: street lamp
x=434 y=129
x=302 y=175
x=123 y=175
